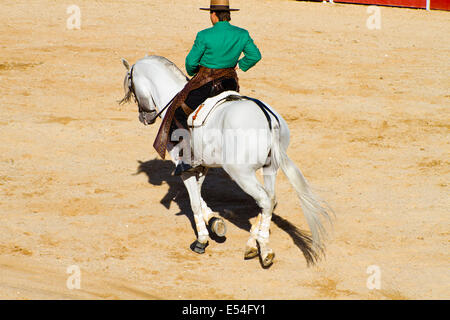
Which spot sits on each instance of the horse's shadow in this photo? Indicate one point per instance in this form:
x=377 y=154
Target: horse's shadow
x=223 y=196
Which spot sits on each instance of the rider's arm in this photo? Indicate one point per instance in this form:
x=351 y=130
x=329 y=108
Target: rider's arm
x=194 y=57
x=252 y=55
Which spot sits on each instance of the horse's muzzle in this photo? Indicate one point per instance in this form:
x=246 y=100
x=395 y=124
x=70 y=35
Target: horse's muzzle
x=148 y=118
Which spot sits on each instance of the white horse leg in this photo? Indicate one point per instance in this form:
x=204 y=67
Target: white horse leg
x=251 y=249
x=206 y=211
x=246 y=179
x=270 y=175
x=191 y=183
x=215 y=222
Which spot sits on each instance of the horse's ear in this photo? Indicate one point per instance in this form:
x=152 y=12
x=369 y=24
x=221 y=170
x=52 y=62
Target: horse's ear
x=126 y=64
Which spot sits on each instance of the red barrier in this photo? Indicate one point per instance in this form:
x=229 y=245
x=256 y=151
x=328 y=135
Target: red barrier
x=440 y=4
x=434 y=4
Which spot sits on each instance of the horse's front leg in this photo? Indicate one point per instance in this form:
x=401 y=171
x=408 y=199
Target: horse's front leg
x=191 y=182
x=216 y=223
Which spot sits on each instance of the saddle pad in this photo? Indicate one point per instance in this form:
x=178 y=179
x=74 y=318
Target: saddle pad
x=200 y=115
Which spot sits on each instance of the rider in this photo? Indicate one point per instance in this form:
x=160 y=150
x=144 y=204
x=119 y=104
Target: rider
x=213 y=62
x=220 y=47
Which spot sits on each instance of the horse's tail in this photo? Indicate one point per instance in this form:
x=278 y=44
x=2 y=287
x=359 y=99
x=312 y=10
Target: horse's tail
x=313 y=207
x=127 y=85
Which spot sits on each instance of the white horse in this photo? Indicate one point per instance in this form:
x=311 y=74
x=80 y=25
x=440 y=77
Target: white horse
x=154 y=81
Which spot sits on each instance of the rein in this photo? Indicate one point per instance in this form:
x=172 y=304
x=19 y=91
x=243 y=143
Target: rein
x=167 y=105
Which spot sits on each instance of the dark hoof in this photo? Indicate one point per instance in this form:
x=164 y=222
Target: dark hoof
x=218 y=226
x=198 y=247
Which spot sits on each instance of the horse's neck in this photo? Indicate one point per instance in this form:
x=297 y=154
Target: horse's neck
x=165 y=87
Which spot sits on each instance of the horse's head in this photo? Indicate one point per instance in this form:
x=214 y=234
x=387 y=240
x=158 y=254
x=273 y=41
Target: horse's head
x=147 y=108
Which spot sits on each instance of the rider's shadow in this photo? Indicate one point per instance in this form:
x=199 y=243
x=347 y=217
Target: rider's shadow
x=223 y=196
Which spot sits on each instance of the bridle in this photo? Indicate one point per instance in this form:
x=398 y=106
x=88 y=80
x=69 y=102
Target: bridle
x=131 y=86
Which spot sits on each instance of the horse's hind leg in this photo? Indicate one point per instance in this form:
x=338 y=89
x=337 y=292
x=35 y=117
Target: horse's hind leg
x=270 y=174
x=251 y=249
x=245 y=177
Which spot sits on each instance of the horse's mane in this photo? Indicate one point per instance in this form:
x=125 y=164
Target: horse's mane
x=170 y=65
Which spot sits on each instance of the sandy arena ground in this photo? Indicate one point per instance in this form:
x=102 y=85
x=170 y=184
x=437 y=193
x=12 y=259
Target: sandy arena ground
x=81 y=184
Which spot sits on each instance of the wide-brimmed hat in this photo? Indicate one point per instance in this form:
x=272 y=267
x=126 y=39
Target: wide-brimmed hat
x=219 y=5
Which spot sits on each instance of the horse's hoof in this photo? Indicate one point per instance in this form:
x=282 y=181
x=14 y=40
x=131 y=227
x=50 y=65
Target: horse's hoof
x=250 y=253
x=218 y=226
x=199 y=247
x=267 y=261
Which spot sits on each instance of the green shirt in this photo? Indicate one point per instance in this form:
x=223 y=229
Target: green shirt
x=220 y=47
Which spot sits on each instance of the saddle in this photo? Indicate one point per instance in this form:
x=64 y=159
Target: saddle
x=199 y=117
x=201 y=114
